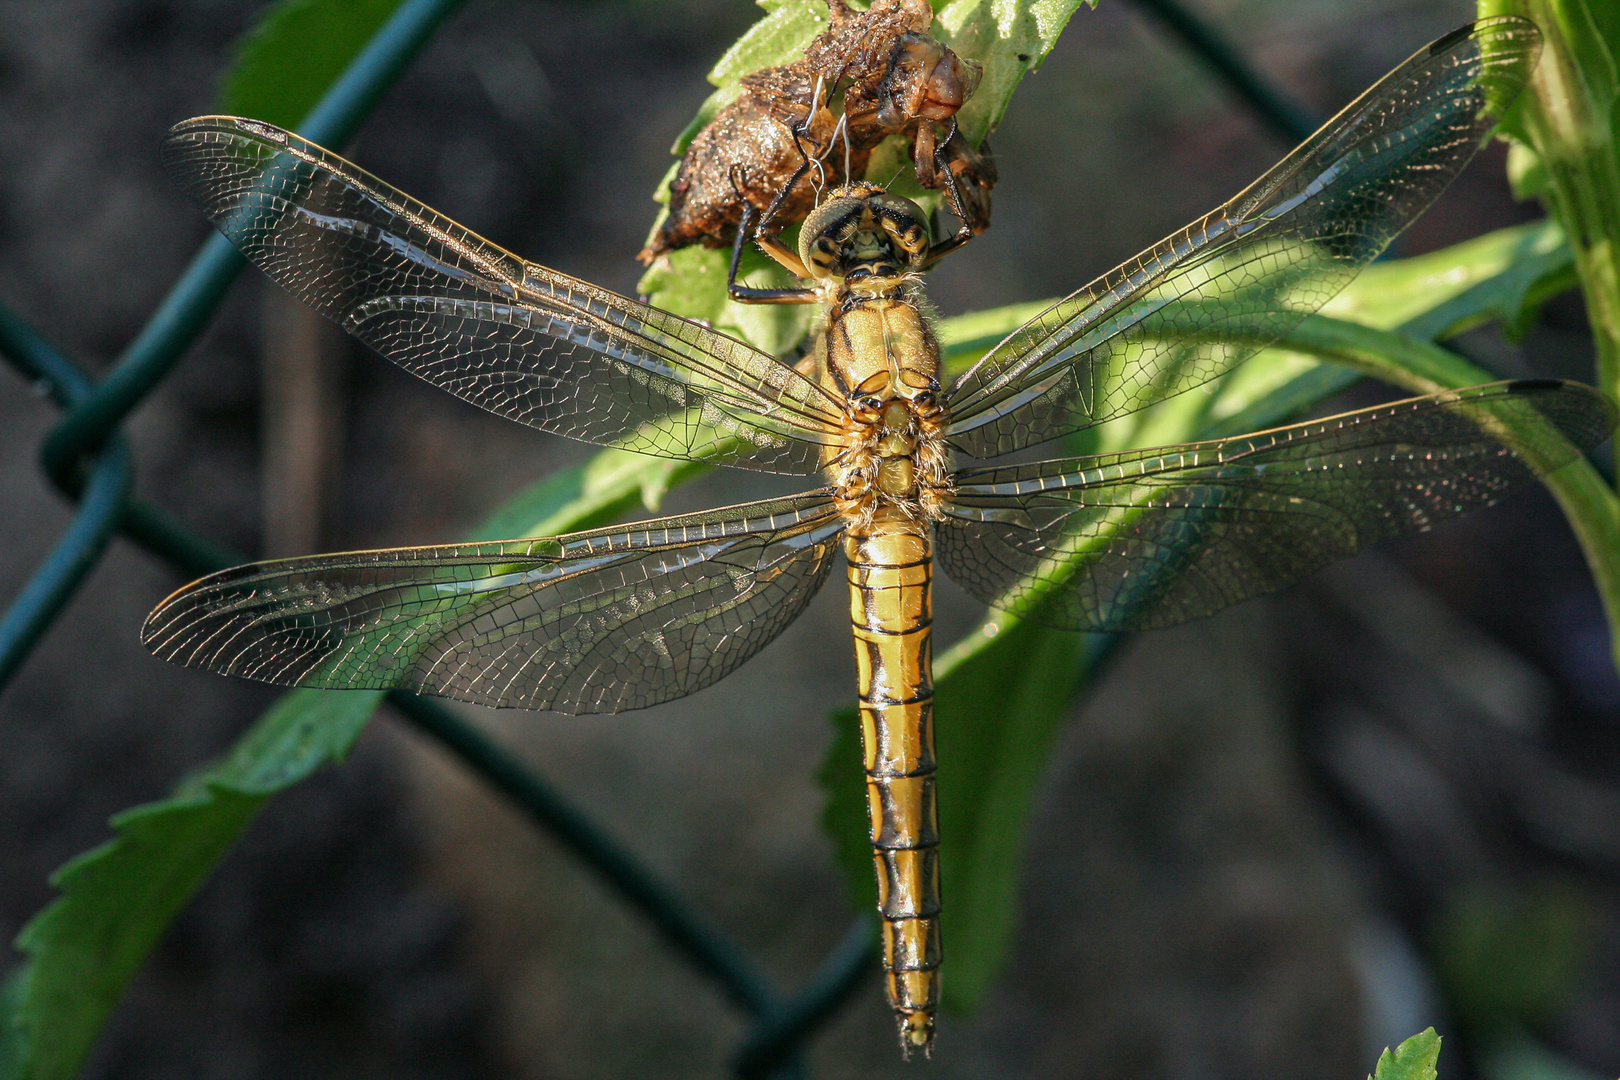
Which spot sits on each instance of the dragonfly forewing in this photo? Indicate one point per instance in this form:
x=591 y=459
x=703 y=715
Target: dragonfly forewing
x=1256 y=267
x=518 y=339
x=600 y=621
x=1157 y=537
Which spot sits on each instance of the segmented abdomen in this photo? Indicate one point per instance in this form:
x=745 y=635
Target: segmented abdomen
x=891 y=607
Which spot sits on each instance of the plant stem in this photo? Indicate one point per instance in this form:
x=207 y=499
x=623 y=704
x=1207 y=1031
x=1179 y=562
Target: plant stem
x=1567 y=119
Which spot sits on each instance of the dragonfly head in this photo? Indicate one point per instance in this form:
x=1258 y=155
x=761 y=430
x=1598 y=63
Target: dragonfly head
x=864 y=236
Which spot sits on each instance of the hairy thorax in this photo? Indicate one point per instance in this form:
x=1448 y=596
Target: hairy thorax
x=881 y=357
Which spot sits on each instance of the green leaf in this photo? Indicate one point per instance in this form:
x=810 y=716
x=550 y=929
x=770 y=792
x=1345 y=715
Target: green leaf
x=1414 y=1059
x=295 y=53
x=1010 y=40
x=1570 y=119
x=1582 y=40
x=117 y=899
x=1527 y=173
x=603 y=490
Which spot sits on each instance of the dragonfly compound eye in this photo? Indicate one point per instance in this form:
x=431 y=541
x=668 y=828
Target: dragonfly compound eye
x=824 y=255
x=905 y=223
x=821 y=238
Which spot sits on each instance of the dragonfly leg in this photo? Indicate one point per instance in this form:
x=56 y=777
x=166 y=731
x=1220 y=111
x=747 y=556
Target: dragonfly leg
x=953 y=199
x=777 y=250
x=807 y=161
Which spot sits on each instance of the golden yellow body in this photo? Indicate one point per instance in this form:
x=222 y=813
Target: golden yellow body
x=877 y=354
x=881 y=357
x=891 y=609
x=884 y=336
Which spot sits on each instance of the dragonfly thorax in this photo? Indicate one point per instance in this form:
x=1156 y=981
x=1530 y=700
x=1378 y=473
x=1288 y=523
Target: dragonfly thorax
x=894 y=396
x=895 y=455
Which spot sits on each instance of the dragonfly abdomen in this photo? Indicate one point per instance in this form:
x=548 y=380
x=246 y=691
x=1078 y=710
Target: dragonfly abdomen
x=891 y=609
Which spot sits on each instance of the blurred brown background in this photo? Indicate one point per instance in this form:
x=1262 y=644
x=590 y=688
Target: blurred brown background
x=1272 y=842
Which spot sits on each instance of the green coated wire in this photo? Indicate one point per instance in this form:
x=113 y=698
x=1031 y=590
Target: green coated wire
x=74 y=556
x=1287 y=118
x=185 y=311
x=39 y=360
x=58 y=576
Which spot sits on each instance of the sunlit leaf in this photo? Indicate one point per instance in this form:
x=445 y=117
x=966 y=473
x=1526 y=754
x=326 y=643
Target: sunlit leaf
x=295 y=53
x=1504 y=276
x=1414 y=1059
x=1010 y=40
x=1527 y=173
x=1569 y=116
x=692 y=282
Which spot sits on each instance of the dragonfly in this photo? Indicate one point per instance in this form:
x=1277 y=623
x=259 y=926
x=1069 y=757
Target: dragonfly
x=631 y=615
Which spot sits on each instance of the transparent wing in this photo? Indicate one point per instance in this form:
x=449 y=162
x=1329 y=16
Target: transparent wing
x=509 y=336
x=1156 y=537
x=1215 y=293
x=591 y=622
